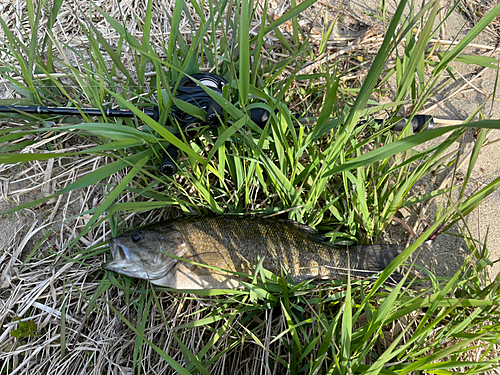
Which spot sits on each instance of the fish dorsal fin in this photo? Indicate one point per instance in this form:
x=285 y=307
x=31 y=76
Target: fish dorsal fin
x=306 y=230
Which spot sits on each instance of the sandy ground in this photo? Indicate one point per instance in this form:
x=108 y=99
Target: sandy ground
x=473 y=87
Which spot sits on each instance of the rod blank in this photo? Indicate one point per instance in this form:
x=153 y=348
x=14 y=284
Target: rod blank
x=152 y=112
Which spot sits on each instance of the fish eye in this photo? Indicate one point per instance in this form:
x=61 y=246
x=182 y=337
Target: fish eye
x=136 y=237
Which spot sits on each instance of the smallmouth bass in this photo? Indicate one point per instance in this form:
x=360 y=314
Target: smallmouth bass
x=236 y=243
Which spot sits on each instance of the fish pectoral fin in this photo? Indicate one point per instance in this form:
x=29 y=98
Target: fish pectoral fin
x=183 y=278
x=208 y=258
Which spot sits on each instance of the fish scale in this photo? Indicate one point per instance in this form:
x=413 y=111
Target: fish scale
x=242 y=243
x=235 y=243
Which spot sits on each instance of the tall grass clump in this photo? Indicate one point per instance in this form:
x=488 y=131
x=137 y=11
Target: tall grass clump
x=326 y=164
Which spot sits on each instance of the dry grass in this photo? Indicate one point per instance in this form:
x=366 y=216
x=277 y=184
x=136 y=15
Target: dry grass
x=475 y=10
x=71 y=318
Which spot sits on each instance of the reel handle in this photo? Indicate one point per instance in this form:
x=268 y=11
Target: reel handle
x=168 y=166
x=215 y=114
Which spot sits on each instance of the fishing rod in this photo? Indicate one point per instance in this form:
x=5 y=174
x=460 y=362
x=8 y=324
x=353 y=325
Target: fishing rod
x=190 y=92
x=65 y=111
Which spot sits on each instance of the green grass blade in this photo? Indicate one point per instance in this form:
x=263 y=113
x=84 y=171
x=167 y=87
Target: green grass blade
x=85 y=181
x=176 y=21
x=117 y=60
x=142 y=320
x=416 y=54
x=473 y=158
x=112 y=196
x=346 y=330
x=405 y=144
x=244 y=50
x=172 y=362
x=286 y=17
x=467 y=39
x=146 y=37
x=376 y=69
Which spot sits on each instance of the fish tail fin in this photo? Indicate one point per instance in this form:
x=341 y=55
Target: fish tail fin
x=373 y=258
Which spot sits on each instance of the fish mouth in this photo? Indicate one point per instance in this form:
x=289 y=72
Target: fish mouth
x=119 y=254
x=118 y=251
x=121 y=263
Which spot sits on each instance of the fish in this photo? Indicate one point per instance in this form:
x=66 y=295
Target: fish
x=172 y=253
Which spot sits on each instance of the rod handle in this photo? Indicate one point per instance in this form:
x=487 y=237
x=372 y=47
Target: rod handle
x=418 y=122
